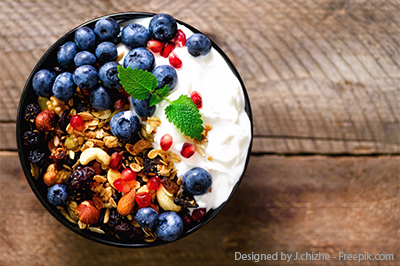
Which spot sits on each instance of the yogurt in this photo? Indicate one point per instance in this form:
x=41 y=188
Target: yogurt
x=223 y=108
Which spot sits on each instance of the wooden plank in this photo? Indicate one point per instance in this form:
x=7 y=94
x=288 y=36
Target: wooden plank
x=284 y=204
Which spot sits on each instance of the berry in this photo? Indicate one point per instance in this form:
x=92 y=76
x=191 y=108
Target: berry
x=188 y=150
x=122 y=185
x=42 y=82
x=180 y=39
x=174 y=60
x=169 y=226
x=108 y=74
x=167 y=49
x=85 y=39
x=153 y=183
x=64 y=120
x=198 y=44
x=187 y=220
x=38 y=156
x=125 y=125
x=64 y=87
x=197 y=99
x=115 y=161
x=143 y=199
x=155 y=46
x=198 y=213
x=166 y=142
x=106 y=51
x=128 y=175
x=32 y=138
x=77 y=123
x=85 y=58
x=163 y=27
x=107 y=29
x=31 y=111
x=197 y=181
x=57 y=195
x=146 y=217
x=80 y=178
x=100 y=98
x=140 y=58
x=66 y=54
x=143 y=108
x=135 y=35
x=166 y=75
x=86 y=77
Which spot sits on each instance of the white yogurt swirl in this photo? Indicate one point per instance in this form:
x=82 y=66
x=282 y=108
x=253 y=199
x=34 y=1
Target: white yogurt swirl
x=223 y=108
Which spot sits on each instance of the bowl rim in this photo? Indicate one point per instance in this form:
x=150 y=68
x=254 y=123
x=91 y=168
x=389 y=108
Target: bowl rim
x=119 y=17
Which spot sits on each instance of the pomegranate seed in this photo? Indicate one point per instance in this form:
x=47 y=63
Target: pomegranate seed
x=166 y=142
x=119 y=104
x=198 y=213
x=122 y=185
x=143 y=199
x=153 y=183
x=168 y=48
x=116 y=161
x=188 y=150
x=128 y=175
x=174 y=60
x=197 y=99
x=180 y=39
x=187 y=220
x=77 y=123
x=155 y=46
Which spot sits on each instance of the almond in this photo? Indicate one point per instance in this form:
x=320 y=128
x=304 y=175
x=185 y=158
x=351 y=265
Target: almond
x=87 y=212
x=126 y=203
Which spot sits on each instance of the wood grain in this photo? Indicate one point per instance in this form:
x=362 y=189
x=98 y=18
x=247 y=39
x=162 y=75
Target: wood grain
x=284 y=204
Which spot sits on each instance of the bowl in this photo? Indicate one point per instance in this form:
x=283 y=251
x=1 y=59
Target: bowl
x=40 y=189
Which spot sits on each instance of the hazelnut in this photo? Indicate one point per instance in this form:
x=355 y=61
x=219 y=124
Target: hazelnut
x=87 y=212
x=45 y=120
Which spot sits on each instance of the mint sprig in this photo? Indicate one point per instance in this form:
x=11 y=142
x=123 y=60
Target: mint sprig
x=182 y=112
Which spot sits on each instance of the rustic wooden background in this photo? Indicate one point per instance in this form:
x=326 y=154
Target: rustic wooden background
x=323 y=77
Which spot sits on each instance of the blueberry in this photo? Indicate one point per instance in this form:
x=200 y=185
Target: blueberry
x=143 y=108
x=42 y=82
x=108 y=74
x=198 y=44
x=86 y=77
x=125 y=125
x=169 y=226
x=140 y=58
x=57 y=195
x=147 y=217
x=197 y=181
x=166 y=75
x=64 y=87
x=66 y=54
x=85 y=58
x=106 y=51
x=85 y=39
x=107 y=29
x=135 y=35
x=100 y=98
x=163 y=27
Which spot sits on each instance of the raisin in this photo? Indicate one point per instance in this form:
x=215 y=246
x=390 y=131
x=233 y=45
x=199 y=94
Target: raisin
x=31 y=111
x=64 y=120
x=38 y=156
x=169 y=185
x=150 y=165
x=127 y=230
x=114 y=218
x=186 y=199
x=80 y=178
x=33 y=138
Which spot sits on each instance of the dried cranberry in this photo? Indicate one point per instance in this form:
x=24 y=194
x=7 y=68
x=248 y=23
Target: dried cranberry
x=33 y=138
x=80 y=178
x=64 y=120
x=31 y=111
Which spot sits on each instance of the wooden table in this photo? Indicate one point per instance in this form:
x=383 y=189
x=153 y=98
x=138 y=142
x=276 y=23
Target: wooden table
x=323 y=78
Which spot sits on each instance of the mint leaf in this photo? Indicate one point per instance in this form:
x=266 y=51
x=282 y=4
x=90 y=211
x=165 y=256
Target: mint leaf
x=138 y=83
x=158 y=95
x=183 y=113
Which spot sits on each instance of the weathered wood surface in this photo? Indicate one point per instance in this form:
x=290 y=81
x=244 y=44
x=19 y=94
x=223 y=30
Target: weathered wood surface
x=323 y=77
x=284 y=204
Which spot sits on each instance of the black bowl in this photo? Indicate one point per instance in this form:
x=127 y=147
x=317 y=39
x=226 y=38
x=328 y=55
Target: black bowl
x=40 y=189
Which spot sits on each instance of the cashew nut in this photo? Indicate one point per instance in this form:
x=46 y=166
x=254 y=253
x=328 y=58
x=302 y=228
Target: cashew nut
x=166 y=201
x=97 y=154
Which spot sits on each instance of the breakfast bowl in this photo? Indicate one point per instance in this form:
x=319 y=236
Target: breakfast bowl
x=134 y=130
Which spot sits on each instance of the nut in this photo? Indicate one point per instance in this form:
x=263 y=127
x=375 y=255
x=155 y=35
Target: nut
x=45 y=120
x=126 y=203
x=87 y=212
x=97 y=154
x=52 y=176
